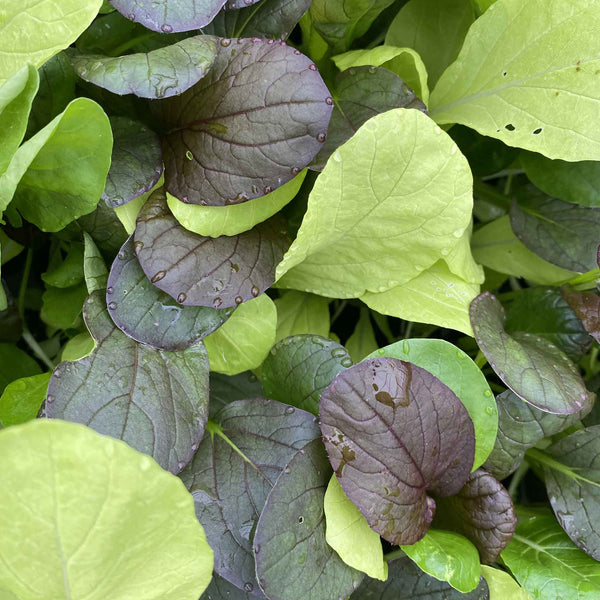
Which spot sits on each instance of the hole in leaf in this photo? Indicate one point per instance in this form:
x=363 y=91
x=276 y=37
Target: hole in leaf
x=537 y=131
x=510 y=127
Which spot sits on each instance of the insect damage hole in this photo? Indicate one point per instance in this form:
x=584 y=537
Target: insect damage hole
x=510 y=127
x=537 y=131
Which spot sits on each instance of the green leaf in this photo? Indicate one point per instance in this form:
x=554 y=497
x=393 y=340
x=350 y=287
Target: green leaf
x=78 y=347
x=129 y=390
x=547 y=563
x=538 y=372
x=21 y=400
x=67 y=272
x=502 y=585
x=454 y=368
x=61 y=307
x=44 y=37
x=362 y=342
x=161 y=73
x=128 y=213
x=405 y=62
x=300 y=554
x=377 y=205
x=47 y=190
x=436 y=30
x=16 y=97
x=449 y=557
x=243 y=342
x=298 y=312
x=300 y=367
x=496 y=246
x=523 y=93
x=235 y=468
x=14 y=364
x=100 y=496
x=578 y=183
x=94 y=267
x=214 y=221
x=221 y=589
x=349 y=534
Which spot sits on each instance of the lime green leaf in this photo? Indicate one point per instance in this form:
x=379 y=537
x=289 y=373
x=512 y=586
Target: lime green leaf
x=32 y=31
x=502 y=586
x=435 y=296
x=349 y=534
x=398 y=190
x=128 y=213
x=448 y=557
x=61 y=307
x=455 y=369
x=244 y=341
x=522 y=68
x=16 y=97
x=435 y=29
x=94 y=267
x=67 y=272
x=496 y=246
x=109 y=524
x=21 y=400
x=405 y=62
x=80 y=346
x=298 y=312
x=48 y=191
x=213 y=221
x=14 y=363
x=362 y=341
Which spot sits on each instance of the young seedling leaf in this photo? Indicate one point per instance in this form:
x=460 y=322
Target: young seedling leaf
x=535 y=370
x=161 y=73
x=394 y=432
x=254 y=122
x=250 y=443
x=289 y=543
x=156 y=401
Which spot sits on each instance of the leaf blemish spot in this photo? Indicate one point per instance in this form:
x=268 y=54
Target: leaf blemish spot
x=537 y=131
x=509 y=126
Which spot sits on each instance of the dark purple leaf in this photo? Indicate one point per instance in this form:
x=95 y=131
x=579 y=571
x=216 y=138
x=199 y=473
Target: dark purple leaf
x=105 y=228
x=234 y=470
x=205 y=271
x=537 y=371
x=150 y=316
x=221 y=589
x=136 y=164
x=586 y=306
x=394 y=432
x=293 y=559
x=168 y=16
x=225 y=389
x=253 y=123
x=155 y=401
x=483 y=512
x=237 y=4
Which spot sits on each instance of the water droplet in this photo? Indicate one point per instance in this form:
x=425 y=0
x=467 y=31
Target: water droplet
x=238 y=300
x=145 y=463
x=189 y=155
x=121 y=255
x=489 y=410
x=346 y=362
x=217 y=302
x=257 y=549
x=166 y=28
x=338 y=352
x=290 y=410
x=488 y=393
x=194 y=447
x=112 y=305
x=254 y=291
x=405 y=347
x=49 y=398
x=321 y=137
x=300 y=519
x=267 y=189
x=225 y=42
x=131 y=17
x=458 y=232
x=295 y=170
x=329 y=100
x=181 y=298
x=137 y=246
x=57 y=373
x=160 y=275
x=312 y=67
x=287 y=470
x=109 y=290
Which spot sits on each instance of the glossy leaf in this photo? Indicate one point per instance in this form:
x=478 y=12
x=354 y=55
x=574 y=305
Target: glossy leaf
x=235 y=468
x=80 y=346
x=563 y=234
x=502 y=585
x=104 y=227
x=362 y=93
x=225 y=389
x=394 y=432
x=221 y=589
x=522 y=93
x=203 y=271
x=537 y=371
x=47 y=190
x=99 y=496
x=455 y=369
x=244 y=341
x=547 y=563
x=150 y=316
x=136 y=163
x=520 y=427
x=379 y=195
x=438 y=40
x=587 y=308
x=128 y=391
x=448 y=557
x=254 y=86
x=44 y=38
x=215 y=221
x=483 y=512
x=298 y=552
x=298 y=312
x=407 y=581
x=21 y=400
x=575 y=182
x=166 y=16
x=94 y=267
x=349 y=534
x=300 y=367
x=14 y=364
x=161 y=73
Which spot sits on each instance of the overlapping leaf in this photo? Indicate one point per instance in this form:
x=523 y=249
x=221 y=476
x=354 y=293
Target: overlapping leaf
x=155 y=401
x=298 y=312
x=253 y=123
x=587 y=307
x=203 y=271
x=537 y=371
x=394 y=432
x=225 y=389
x=250 y=443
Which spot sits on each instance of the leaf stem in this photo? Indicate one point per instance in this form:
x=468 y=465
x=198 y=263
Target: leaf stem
x=36 y=348
x=583 y=278
x=393 y=555
x=517 y=477
x=338 y=311
x=493 y=196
